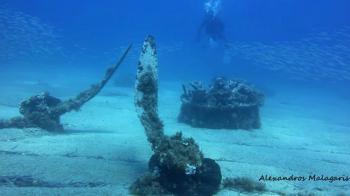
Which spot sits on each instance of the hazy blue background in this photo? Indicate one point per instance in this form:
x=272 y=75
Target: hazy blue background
x=88 y=21
x=89 y=35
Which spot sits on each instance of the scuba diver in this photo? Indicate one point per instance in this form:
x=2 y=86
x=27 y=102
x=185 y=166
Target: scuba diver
x=212 y=27
x=211 y=33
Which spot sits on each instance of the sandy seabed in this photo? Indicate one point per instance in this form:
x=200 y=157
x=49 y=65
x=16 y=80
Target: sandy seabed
x=104 y=148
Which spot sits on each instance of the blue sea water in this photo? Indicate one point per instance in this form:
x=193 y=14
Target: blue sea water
x=296 y=52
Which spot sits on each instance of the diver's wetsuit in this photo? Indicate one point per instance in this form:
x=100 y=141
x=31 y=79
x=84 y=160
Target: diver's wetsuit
x=213 y=27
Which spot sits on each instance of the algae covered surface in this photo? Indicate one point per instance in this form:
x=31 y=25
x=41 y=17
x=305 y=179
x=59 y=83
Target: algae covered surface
x=225 y=98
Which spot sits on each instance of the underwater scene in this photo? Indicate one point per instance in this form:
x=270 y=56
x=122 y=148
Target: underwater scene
x=183 y=98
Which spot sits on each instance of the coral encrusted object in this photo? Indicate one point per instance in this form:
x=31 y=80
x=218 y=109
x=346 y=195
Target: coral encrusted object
x=44 y=111
x=177 y=166
x=225 y=104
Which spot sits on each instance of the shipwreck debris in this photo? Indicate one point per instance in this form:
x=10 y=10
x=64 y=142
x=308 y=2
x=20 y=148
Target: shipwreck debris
x=243 y=184
x=177 y=165
x=44 y=111
x=29 y=181
x=226 y=104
